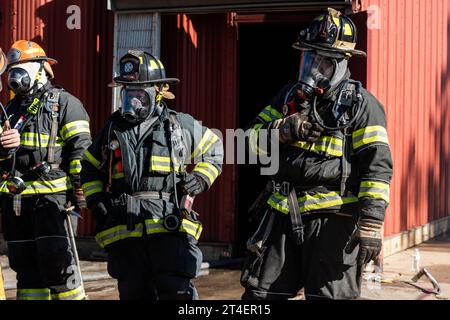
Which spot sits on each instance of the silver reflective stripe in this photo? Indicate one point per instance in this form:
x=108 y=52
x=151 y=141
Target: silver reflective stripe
x=75 y=167
x=268 y=114
x=314 y=202
x=195 y=229
x=161 y=164
x=33 y=294
x=42 y=186
x=370 y=135
x=31 y=139
x=154 y=226
x=117 y=233
x=374 y=189
x=208 y=170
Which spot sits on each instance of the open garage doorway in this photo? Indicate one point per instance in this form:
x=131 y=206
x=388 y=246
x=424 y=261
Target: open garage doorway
x=266 y=63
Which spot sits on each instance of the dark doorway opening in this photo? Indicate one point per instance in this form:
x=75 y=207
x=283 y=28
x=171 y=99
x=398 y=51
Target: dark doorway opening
x=266 y=63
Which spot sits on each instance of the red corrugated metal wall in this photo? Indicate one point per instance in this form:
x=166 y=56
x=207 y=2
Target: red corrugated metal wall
x=84 y=55
x=201 y=51
x=408 y=70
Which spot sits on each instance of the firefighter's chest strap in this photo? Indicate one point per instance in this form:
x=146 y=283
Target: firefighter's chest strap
x=53 y=106
x=152 y=195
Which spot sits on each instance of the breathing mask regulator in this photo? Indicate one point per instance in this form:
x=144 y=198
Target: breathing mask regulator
x=326 y=46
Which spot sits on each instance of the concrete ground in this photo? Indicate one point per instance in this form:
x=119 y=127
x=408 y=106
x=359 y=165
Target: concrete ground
x=223 y=284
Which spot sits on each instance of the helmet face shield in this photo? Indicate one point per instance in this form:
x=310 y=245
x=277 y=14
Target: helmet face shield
x=137 y=103
x=316 y=71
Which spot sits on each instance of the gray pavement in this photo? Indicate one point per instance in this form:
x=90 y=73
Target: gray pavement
x=223 y=284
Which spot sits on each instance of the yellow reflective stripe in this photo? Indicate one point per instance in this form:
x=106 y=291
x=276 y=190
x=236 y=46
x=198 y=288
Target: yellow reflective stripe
x=254 y=139
x=161 y=159
x=117 y=233
x=75 y=294
x=309 y=203
x=31 y=139
x=327 y=144
x=42 y=187
x=33 y=294
x=323 y=201
x=208 y=139
x=270 y=114
x=75 y=166
x=192 y=228
x=369 y=135
x=374 y=189
x=208 y=170
x=91 y=159
x=73 y=128
x=90 y=188
x=154 y=226
x=279 y=203
x=161 y=164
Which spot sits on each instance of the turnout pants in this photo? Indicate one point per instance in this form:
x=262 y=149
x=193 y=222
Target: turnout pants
x=159 y=267
x=319 y=265
x=39 y=250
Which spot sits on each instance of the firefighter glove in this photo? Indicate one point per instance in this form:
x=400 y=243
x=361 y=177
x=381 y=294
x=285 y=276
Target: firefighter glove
x=78 y=198
x=100 y=209
x=297 y=127
x=194 y=184
x=368 y=236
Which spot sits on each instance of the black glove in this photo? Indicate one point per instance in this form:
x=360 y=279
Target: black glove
x=368 y=236
x=297 y=127
x=194 y=184
x=100 y=208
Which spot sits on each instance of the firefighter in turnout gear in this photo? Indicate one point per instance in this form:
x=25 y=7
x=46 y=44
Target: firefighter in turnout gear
x=135 y=181
x=323 y=212
x=45 y=132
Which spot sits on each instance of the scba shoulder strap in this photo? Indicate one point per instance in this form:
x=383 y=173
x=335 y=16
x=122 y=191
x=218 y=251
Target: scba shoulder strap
x=346 y=110
x=177 y=141
x=53 y=106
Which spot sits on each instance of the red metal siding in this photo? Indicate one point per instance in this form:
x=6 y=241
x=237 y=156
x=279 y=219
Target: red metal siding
x=85 y=55
x=201 y=51
x=408 y=72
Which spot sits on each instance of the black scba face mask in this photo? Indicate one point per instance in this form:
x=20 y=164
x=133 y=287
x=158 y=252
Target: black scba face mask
x=319 y=73
x=19 y=81
x=138 y=103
